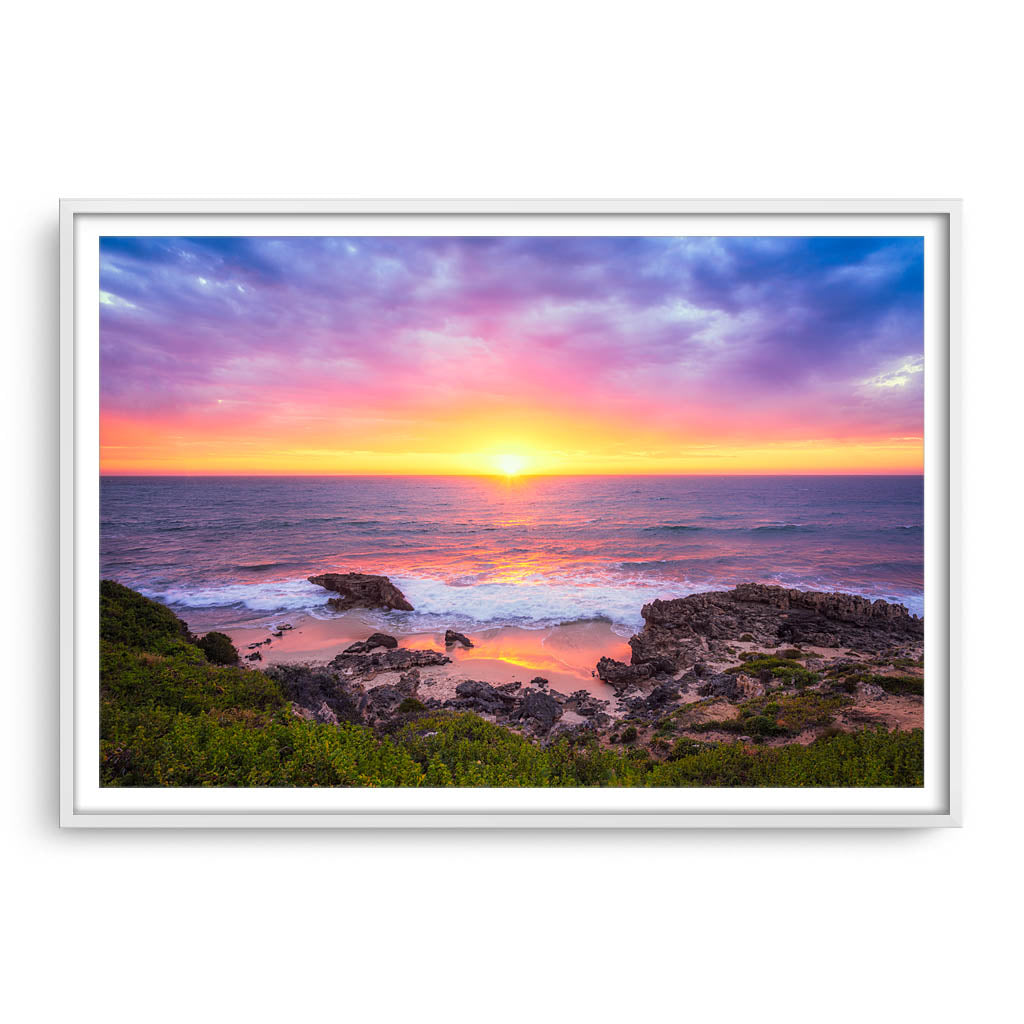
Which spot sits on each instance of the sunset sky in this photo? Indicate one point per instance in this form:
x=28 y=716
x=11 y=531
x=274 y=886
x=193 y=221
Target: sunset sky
x=511 y=355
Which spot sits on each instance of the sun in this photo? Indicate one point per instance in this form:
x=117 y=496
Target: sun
x=510 y=465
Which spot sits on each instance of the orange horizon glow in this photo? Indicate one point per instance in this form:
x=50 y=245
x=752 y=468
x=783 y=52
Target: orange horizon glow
x=837 y=461
x=128 y=448
x=467 y=442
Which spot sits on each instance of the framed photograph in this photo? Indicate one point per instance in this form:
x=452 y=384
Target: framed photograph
x=509 y=514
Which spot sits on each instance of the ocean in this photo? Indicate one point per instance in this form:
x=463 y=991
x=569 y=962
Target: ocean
x=473 y=552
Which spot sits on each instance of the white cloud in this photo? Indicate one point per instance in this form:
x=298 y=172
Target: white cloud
x=899 y=376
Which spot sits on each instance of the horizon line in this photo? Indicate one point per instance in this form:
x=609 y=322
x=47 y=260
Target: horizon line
x=485 y=476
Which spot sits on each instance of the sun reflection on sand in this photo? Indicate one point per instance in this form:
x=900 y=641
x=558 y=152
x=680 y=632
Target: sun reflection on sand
x=564 y=655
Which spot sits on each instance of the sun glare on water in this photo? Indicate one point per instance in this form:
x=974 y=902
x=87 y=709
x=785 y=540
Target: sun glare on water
x=509 y=465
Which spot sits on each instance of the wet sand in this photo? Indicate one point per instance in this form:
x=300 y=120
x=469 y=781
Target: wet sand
x=563 y=655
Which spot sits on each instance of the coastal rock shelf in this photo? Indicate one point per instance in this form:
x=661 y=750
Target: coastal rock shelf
x=759 y=663
x=686 y=630
x=359 y=590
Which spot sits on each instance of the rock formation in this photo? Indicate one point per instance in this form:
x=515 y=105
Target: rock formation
x=451 y=638
x=400 y=659
x=681 y=632
x=371 y=643
x=360 y=590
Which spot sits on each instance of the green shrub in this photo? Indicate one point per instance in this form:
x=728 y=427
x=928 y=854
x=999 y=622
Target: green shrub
x=411 y=704
x=629 y=734
x=899 y=685
x=218 y=649
x=869 y=758
x=788 y=671
x=686 y=747
x=896 y=685
x=908 y=662
x=129 y=619
x=780 y=714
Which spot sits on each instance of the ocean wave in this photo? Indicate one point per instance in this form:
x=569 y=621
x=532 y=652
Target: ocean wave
x=466 y=604
x=673 y=528
x=533 y=604
x=280 y=595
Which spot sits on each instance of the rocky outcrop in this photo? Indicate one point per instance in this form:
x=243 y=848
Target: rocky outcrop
x=451 y=638
x=474 y=695
x=401 y=659
x=313 y=690
x=371 y=643
x=686 y=630
x=539 y=709
x=678 y=660
x=839 y=607
x=530 y=710
x=585 y=704
x=720 y=685
x=359 y=590
x=620 y=676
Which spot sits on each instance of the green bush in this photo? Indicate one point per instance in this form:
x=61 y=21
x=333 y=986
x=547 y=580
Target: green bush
x=788 y=671
x=780 y=714
x=686 y=747
x=870 y=758
x=901 y=684
x=411 y=704
x=896 y=685
x=218 y=649
x=129 y=619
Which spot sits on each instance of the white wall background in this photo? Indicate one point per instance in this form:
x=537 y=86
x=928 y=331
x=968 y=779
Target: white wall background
x=533 y=99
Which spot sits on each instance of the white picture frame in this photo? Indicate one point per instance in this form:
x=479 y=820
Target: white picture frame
x=84 y=804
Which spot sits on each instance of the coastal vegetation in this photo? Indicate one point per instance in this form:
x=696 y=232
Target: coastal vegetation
x=218 y=648
x=172 y=714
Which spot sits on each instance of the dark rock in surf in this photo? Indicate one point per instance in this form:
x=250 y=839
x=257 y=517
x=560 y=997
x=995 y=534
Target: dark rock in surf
x=360 y=590
x=451 y=638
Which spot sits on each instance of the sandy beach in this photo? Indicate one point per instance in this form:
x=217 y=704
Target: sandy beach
x=563 y=655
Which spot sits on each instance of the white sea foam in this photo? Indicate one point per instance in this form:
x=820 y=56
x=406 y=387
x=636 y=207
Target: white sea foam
x=437 y=603
x=529 y=604
x=278 y=595
x=539 y=604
